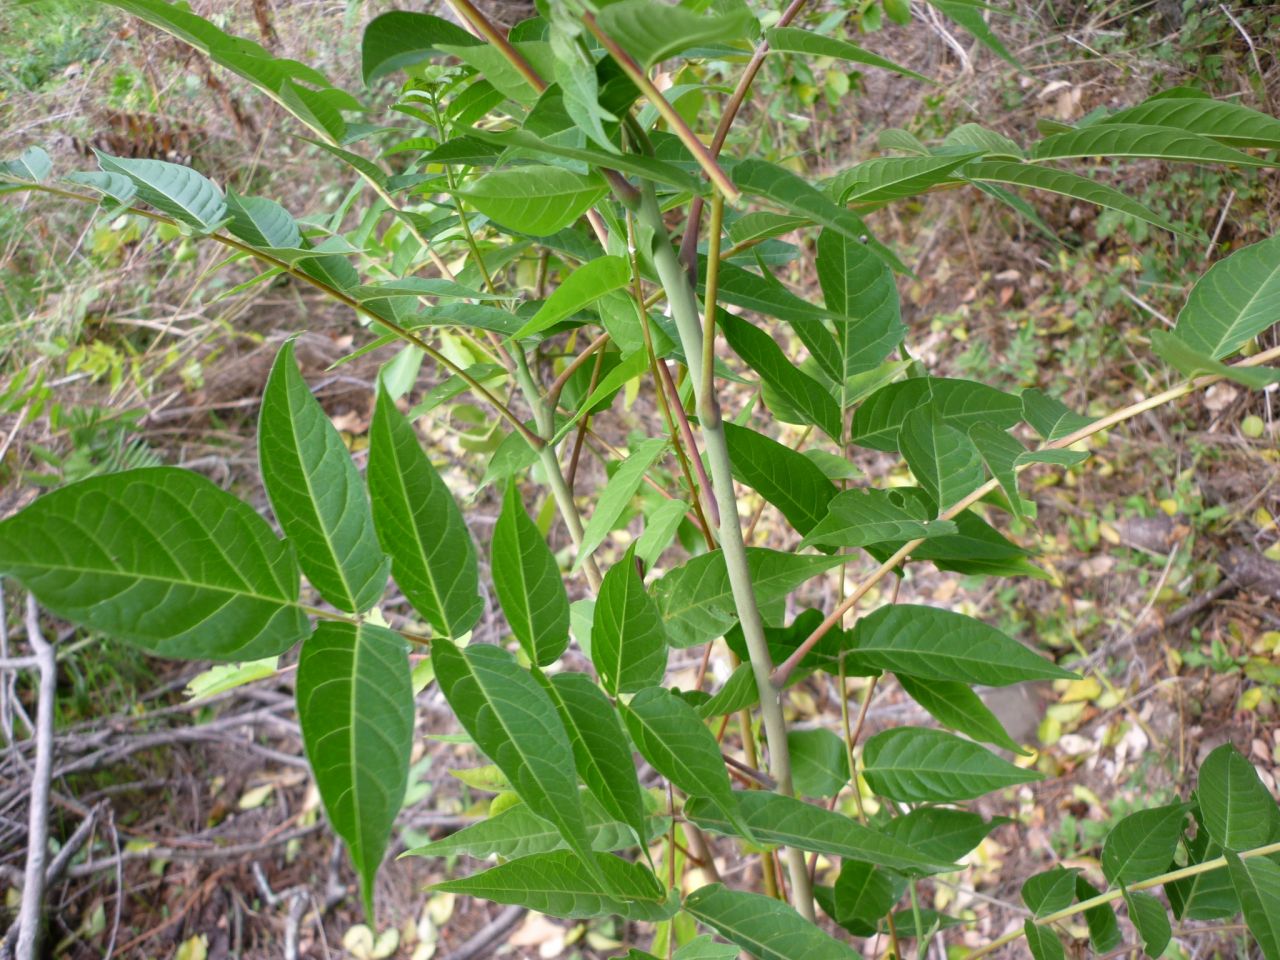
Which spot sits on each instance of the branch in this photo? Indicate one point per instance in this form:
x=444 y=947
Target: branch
x=684 y=310
x=1119 y=416
x=1217 y=863
x=29 y=915
x=641 y=79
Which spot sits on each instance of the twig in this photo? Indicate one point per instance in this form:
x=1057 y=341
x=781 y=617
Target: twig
x=481 y=943
x=1222 y=218
x=29 y=915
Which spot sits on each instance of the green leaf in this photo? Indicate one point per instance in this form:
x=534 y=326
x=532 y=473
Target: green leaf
x=767 y=296
x=802 y=393
x=32 y=164
x=1147 y=915
x=513 y=720
x=969 y=14
x=660 y=526
x=856 y=518
x=1050 y=891
x=316 y=493
x=788 y=480
x=558 y=884
x=672 y=737
x=1067 y=184
x=528 y=143
x=943 y=459
x=960 y=404
x=977 y=137
x=1237 y=299
x=1050 y=417
x=617 y=493
x=696 y=598
x=171 y=188
x=706 y=948
x=600 y=747
x=652 y=31
x=1043 y=942
x=797 y=196
x=937 y=644
x=1001 y=453
x=764 y=927
x=537 y=200
x=260 y=222
x=628 y=639
x=1104 y=931
x=518 y=832
x=953 y=704
x=1142 y=844
x=1238 y=810
x=794 y=40
x=941 y=833
x=786 y=821
x=162 y=558
x=892 y=178
x=418 y=522
x=859 y=289
x=528 y=583
x=1221 y=120
x=1257 y=883
x=819 y=762
x=1116 y=140
x=583 y=286
x=492 y=64
x=1204 y=896
x=355 y=708
x=403 y=38
x=737 y=693
x=1183 y=358
x=916 y=765
x=862 y=895
x=115 y=186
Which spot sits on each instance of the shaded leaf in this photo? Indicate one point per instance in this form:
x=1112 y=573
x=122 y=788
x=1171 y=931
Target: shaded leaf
x=1183 y=358
x=960 y=404
x=583 y=286
x=1043 y=942
x=891 y=178
x=819 y=761
x=802 y=394
x=953 y=704
x=1050 y=891
x=1147 y=915
x=859 y=290
x=787 y=479
x=1237 y=809
x=617 y=493
x=794 y=40
x=1230 y=123
x=943 y=459
x=1257 y=883
x=1104 y=931
x=942 y=833
x=652 y=31
x=404 y=38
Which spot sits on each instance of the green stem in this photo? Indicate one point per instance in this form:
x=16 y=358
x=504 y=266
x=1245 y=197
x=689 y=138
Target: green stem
x=684 y=310
x=1217 y=863
x=544 y=417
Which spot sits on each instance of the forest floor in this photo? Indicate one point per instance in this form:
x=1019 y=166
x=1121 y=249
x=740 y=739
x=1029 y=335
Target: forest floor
x=1162 y=553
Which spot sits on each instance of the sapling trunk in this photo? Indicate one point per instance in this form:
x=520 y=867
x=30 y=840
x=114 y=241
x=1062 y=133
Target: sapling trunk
x=684 y=310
